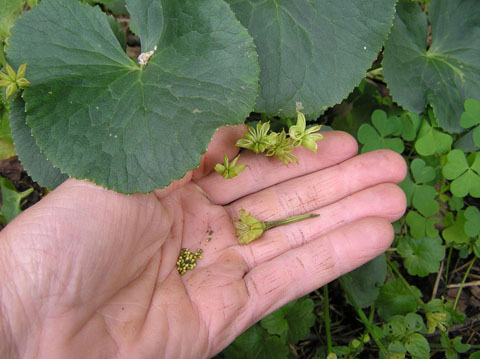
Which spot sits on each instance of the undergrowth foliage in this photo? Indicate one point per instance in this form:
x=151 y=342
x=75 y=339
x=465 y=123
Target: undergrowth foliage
x=74 y=104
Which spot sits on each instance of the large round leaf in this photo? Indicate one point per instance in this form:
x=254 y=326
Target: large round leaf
x=39 y=168
x=313 y=51
x=444 y=75
x=98 y=115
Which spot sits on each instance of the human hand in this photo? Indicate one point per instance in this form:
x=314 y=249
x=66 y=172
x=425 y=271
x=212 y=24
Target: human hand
x=91 y=273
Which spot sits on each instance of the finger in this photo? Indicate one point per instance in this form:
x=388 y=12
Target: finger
x=264 y=171
x=304 y=269
x=385 y=201
x=223 y=141
x=316 y=190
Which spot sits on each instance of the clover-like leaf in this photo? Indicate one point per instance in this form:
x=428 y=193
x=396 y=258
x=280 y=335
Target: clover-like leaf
x=395 y=299
x=39 y=167
x=292 y=322
x=444 y=74
x=421 y=256
x=364 y=282
x=410 y=124
x=471 y=117
x=465 y=175
x=376 y=136
x=472 y=223
x=455 y=233
x=312 y=51
x=421 y=172
x=430 y=141
x=257 y=340
x=97 y=114
x=420 y=226
x=421 y=196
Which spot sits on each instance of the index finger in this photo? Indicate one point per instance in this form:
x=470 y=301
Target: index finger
x=263 y=172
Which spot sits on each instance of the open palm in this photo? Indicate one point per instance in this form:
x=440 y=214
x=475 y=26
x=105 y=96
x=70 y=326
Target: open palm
x=91 y=273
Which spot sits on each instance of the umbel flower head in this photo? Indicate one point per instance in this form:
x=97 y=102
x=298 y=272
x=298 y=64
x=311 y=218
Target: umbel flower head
x=248 y=228
x=258 y=140
x=302 y=136
x=281 y=148
x=13 y=80
x=229 y=169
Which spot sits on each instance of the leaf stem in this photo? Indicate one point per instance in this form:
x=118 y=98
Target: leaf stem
x=463 y=282
x=407 y=285
x=326 y=318
x=363 y=317
x=281 y=222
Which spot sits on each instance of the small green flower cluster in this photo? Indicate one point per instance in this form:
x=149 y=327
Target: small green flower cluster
x=280 y=145
x=13 y=80
x=187 y=260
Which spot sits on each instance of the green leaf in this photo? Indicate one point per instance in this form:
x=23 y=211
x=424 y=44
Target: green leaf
x=395 y=299
x=410 y=125
x=421 y=172
x=472 y=223
x=471 y=117
x=396 y=350
x=291 y=322
x=465 y=174
x=98 y=115
x=9 y=11
x=424 y=200
x=11 y=199
x=445 y=74
x=364 y=282
x=148 y=18
x=33 y=160
x=475 y=355
x=421 y=256
x=312 y=51
x=373 y=140
x=421 y=227
x=256 y=343
x=119 y=33
x=459 y=346
x=456 y=204
x=430 y=141
x=456 y=232
x=415 y=323
x=476 y=247
x=417 y=346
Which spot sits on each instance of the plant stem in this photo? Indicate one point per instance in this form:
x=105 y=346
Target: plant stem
x=363 y=317
x=463 y=282
x=407 y=285
x=447 y=267
x=281 y=222
x=326 y=318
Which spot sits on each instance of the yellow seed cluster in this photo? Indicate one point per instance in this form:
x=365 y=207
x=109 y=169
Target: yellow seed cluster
x=187 y=260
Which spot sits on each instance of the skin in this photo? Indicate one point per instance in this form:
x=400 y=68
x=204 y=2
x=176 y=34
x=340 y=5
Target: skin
x=88 y=272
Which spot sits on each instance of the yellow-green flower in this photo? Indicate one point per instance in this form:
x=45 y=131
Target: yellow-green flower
x=13 y=81
x=281 y=148
x=248 y=228
x=258 y=140
x=437 y=320
x=229 y=169
x=302 y=136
